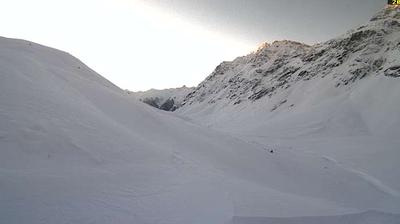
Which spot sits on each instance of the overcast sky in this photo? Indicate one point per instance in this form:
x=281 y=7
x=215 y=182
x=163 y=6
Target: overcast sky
x=142 y=44
x=308 y=21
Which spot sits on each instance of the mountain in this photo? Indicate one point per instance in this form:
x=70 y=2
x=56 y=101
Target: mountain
x=286 y=76
x=75 y=148
x=333 y=105
x=166 y=99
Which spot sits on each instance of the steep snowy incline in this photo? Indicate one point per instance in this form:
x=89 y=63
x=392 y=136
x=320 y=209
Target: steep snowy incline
x=286 y=77
x=74 y=148
x=334 y=105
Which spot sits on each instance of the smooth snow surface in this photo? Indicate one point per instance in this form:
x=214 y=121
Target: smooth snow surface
x=362 y=218
x=74 y=148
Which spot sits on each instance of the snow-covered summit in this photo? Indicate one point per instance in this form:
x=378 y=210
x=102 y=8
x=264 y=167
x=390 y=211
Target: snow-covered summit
x=367 y=51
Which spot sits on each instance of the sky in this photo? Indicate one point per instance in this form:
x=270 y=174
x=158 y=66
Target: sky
x=143 y=44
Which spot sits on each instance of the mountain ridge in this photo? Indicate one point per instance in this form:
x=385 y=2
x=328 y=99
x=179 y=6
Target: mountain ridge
x=278 y=65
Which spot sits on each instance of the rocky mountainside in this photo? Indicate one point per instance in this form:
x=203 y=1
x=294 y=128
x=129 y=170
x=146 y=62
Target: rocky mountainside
x=166 y=99
x=368 y=51
x=335 y=103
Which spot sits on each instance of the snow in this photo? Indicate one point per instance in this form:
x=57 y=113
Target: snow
x=362 y=218
x=335 y=133
x=166 y=99
x=74 y=148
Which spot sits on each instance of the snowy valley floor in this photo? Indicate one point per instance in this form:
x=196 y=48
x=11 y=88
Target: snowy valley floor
x=74 y=148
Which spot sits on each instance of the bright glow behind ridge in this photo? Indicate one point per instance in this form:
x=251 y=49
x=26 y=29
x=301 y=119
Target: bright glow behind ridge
x=132 y=44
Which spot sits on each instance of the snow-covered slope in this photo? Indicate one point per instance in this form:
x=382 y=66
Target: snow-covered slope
x=74 y=148
x=77 y=149
x=334 y=106
x=166 y=99
x=286 y=76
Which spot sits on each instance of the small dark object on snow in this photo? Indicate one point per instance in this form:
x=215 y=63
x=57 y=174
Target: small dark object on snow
x=271 y=151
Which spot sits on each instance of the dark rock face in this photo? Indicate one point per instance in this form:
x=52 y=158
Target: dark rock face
x=168 y=105
x=166 y=99
x=393 y=71
x=258 y=95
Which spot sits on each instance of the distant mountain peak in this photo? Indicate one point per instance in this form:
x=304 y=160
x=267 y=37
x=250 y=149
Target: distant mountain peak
x=166 y=99
x=274 y=68
x=277 y=45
